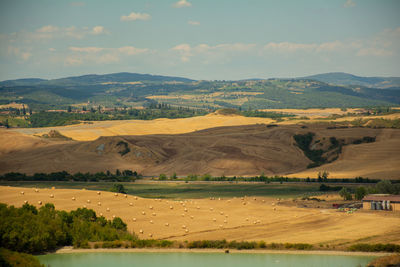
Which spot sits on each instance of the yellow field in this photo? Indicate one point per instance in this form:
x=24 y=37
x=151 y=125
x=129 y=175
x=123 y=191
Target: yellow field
x=86 y=132
x=231 y=219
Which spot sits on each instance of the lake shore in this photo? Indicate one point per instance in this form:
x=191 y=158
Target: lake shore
x=66 y=250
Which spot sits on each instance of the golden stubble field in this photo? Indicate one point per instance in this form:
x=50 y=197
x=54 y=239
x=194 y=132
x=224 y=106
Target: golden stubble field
x=246 y=218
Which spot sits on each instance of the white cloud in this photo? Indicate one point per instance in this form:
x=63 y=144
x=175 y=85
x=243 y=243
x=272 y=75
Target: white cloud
x=19 y=53
x=288 y=47
x=73 y=61
x=194 y=23
x=372 y=51
x=98 y=30
x=77 y=4
x=90 y=49
x=130 y=50
x=49 y=32
x=349 y=3
x=135 y=16
x=100 y=55
x=182 y=3
x=186 y=51
x=48 y=29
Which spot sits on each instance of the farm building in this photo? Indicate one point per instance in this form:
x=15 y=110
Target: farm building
x=381 y=202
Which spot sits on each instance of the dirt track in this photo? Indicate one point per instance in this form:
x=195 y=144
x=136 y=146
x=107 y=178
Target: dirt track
x=235 y=219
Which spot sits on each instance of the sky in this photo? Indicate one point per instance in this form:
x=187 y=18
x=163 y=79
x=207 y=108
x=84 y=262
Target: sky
x=199 y=39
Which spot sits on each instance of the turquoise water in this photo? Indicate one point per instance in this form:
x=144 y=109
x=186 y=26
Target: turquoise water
x=175 y=259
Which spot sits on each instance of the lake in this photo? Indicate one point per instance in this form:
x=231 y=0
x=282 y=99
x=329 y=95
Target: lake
x=190 y=259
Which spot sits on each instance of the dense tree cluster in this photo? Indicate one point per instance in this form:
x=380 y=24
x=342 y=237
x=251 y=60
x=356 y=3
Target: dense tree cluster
x=45 y=119
x=118 y=176
x=30 y=230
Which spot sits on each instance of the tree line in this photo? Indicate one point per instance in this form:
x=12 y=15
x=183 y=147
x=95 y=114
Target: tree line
x=118 y=176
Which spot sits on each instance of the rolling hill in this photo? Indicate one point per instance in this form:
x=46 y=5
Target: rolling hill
x=341 y=78
x=138 y=90
x=235 y=150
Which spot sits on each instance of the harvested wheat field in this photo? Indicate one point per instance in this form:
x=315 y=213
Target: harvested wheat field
x=91 y=131
x=244 y=218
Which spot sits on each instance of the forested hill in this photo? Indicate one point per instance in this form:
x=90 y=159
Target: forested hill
x=121 y=90
x=121 y=77
x=341 y=78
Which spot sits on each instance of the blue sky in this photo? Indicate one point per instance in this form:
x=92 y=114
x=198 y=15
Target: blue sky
x=200 y=39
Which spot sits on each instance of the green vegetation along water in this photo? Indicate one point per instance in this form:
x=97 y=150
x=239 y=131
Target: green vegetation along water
x=200 y=259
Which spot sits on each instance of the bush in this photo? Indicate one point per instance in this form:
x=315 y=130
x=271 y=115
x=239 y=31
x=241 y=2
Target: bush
x=375 y=247
x=10 y=258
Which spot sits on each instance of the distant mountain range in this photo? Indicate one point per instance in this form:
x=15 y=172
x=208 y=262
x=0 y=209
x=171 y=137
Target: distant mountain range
x=133 y=89
x=341 y=78
x=120 y=77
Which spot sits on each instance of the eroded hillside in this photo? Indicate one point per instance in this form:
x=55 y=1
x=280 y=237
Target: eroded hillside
x=235 y=150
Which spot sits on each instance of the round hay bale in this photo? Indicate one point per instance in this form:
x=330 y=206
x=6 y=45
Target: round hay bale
x=98 y=203
x=183 y=215
x=113 y=216
x=101 y=214
x=134 y=219
x=98 y=192
x=40 y=202
x=151 y=221
x=150 y=235
x=130 y=204
x=154 y=214
x=171 y=208
x=25 y=201
x=88 y=201
x=37 y=190
x=274 y=208
x=135 y=198
x=22 y=192
x=116 y=194
x=247 y=219
x=151 y=207
x=221 y=226
x=84 y=206
x=73 y=198
x=183 y=226
x=141 y=231
x=51 y=196
x=186 y=210
x=166 y=224
x=192 y=217
x=211 y=209
x=187 y=231
x=214 y=219
x=126 y=196
x=225 y=221
x=221 y=212
x=108 y=209
x=143 y=213
x=198 y=207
